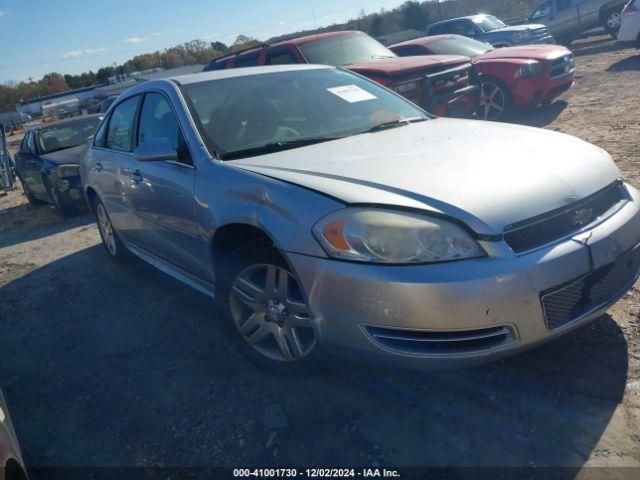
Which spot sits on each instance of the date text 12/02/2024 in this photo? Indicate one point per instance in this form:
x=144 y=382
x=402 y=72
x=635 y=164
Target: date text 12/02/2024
x=315 y=473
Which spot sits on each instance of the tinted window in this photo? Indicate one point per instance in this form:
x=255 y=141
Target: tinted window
x=544 y=10
x=409 y=51
x=283 y=57
x=462 y=27
x=564 y=4
x=99 y=138
x=442 y=29
x=68 y=135
x=246 y=61
x=157 y=120
x=25 y=142
x=120 y=133
x=31 y=142
x=253 y=111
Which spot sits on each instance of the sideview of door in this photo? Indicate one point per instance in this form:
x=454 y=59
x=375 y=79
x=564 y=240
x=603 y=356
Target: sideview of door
x=162 y=193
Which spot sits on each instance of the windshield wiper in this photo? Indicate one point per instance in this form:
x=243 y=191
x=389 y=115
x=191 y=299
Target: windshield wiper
x=400 y=122
x=275 y=147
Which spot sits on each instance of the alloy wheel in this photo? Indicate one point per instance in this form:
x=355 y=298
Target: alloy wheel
x=492 y=101
x=106 y=229
x=270 y=313
x=614 y=20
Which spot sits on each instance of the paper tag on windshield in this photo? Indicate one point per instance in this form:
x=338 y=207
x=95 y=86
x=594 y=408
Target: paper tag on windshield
x=352 y=93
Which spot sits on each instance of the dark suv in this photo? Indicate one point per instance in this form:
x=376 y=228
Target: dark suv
x=442 y=84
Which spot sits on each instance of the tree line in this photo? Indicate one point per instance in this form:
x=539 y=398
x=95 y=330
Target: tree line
x=413 y=15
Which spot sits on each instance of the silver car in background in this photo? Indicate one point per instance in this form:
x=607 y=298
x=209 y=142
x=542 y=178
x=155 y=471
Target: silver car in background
x=11 y=463
x=323 y=210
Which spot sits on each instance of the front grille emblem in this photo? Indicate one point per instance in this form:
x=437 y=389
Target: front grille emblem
x=582 y=217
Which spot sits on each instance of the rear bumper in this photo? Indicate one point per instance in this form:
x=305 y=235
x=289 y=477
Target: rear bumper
x=485 y=308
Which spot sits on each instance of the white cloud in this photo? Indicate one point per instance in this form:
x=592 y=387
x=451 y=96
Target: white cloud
x=1 y=13
x=142 y=39
x=82 y=53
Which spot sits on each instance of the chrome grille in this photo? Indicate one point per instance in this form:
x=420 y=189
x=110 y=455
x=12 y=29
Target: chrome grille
x=540 y=32
x=575 y=299
x=553 y=226
x=441 y=342
x=562 y=66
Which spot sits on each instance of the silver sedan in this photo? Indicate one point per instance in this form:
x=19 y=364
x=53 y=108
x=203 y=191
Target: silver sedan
x=325 y=212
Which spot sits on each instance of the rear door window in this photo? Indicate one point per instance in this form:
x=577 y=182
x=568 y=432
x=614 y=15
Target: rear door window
x=120 y=133
x=442 y=29
x=280 y=57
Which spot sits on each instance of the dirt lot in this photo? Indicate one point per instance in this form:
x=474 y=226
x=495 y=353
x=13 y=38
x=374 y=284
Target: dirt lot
x=111 y=365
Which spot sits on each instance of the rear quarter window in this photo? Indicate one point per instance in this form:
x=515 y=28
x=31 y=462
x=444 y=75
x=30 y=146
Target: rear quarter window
x=244 y=61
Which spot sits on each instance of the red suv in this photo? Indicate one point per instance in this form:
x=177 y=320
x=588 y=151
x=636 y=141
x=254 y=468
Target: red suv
x=442 y=84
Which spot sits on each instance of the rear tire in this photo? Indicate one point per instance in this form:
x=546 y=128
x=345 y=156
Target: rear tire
x=611 y=22
x=110 y=239
x=264 y=313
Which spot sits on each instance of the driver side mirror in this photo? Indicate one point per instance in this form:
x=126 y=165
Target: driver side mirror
x=156 y=150
x=472 y=32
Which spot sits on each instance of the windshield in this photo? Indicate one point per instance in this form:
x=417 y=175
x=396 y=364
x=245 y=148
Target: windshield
x=290 y=109
x=68 y=135
x=344 y=50
x=459 y=45
x=488 y=23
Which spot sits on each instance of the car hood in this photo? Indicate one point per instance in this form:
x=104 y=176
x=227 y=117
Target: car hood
x=401 y=65
x=518 y=28
x=488 y=175
x=535 y=52
x=68 y=155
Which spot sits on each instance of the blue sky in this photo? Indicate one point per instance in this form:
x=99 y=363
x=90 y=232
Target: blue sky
x=73 y=36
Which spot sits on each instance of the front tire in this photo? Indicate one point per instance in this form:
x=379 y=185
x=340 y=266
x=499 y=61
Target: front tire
x=30 y=198
x=110 y=239
x=495 y=99
x=264 y=311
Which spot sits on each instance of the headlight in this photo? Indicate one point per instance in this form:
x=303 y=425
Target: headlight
x=384 y=236
x=529 y=69
x=66 y=171
x=406 y=87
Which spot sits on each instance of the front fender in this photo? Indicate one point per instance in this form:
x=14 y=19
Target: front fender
x=284 y=211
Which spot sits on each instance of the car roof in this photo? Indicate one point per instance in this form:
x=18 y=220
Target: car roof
x=243 y=72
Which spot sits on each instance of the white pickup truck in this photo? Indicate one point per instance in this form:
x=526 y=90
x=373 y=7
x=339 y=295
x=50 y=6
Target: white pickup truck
x=567 y=18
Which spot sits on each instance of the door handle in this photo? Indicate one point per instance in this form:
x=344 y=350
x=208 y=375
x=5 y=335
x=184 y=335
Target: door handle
x=98 y=166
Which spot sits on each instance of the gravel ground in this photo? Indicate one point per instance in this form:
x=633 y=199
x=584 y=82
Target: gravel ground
x=119 y=365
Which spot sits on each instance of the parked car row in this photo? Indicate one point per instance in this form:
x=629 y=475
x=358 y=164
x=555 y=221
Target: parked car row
x=449 y=75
